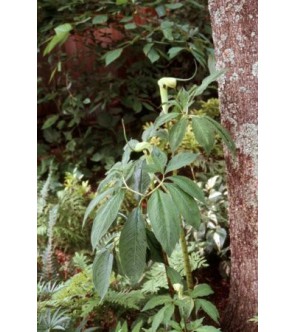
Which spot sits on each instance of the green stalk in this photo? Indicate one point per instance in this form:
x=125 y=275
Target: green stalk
x=170 y=286
x=186 y=262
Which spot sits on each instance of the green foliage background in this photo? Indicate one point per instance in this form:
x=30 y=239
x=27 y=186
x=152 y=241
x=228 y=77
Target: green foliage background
x=86 y=86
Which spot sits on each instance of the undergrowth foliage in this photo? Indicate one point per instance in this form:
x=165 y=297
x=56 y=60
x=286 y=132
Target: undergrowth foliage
x=122 y=47
x=168 y=205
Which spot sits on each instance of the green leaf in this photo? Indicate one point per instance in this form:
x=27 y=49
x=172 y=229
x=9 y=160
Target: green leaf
x=106 y=215
x=186 y=205
x=66 y=27
x=177 y=133
x=156 y=301
x=161 y=11
x=99 y=19
x=211 y=63
x=173 y=275
x=209 y=308
x=180 y=160
x=140 y=179
x=201 y=290
x=102 y=269
x=113 y=55
x=164 y=220
x=124 y=327
x=147 y=47
x=50 y=121
x=62 y=33
x=219 y=237
x=158 y=319
x=203 y=132
x=188 y=186
x=207 y=328
x=186 y=305
x=224 y=134
x=173 y=51
x=154 y=247
x=159 y=161
x=164 y=118
x=133 y=245
x=207 y=81
x=130 y=26
x=166 y=28
x=174 y=6
x=153 y=55
x=95 y=202
x=169 y=311
x=121 y=2
x=137 y=326
x=195 y=324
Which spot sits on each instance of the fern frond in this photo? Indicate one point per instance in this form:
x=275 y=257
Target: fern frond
x=48 y=264
x=197 y=260
x=126 y=299
x=41 y=203
x=156 y=279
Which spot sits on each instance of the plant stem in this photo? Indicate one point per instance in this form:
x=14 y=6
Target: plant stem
x=186 y=262
x=171 y=289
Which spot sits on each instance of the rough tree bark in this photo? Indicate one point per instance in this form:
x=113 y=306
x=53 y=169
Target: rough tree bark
x=234 y=25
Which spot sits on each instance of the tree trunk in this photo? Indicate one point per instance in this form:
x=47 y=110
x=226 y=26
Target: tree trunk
x=234 y=25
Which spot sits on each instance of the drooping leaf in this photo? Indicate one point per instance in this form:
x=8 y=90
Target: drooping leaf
x=224 y=134
x=154 y=247
x=207 y=81
x=169 y=310
x=106 y=215
x=95 y=202
x=186 y=205
x=180 y=160
x=156 y=301
x=209 y=308
x=133 y=245
x=201 y=290
x=203 y=132
x=164 y=219
x=151 y=52
x=113 y=55
x=173 y=51
x=177 y=133
x=164 y=118
x=140 y=179
x=62 y=33
x=188 y=186
x=158 y=319
x=173 y=275
x=166 y=28
x=102 y=269
x=147 y=47
x=50 y=121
